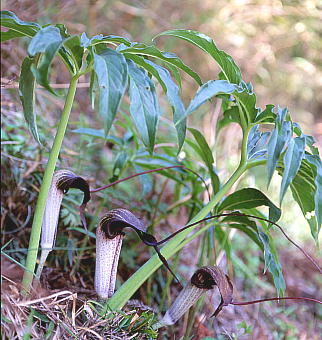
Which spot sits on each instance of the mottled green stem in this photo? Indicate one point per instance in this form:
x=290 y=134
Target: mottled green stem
x=44 y=189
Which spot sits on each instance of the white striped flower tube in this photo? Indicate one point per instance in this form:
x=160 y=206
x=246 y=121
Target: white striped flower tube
x=61 y=182
x=109 y=237
x=202 y=280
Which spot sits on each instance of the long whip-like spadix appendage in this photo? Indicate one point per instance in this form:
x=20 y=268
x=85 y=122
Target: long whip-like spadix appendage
x=62 y=181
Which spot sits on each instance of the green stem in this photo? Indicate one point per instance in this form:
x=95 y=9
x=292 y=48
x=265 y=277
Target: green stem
x=125 y=292
x=44 y=189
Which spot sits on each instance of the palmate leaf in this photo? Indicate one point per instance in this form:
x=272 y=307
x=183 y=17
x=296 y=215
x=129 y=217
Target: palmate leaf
x=230 y=70
x=169 y=58
x=144 y=106
x=17 y=27
x=47 y=41
x=112 y=76
x=27 y=95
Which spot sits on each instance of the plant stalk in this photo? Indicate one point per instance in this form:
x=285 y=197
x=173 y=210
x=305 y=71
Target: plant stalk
x=124 y=293
x=44 y=189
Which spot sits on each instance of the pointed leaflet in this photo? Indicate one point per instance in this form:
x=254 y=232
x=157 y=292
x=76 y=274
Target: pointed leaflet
x=171 y=58
x=315 y=162
x=279 y=139
x=47 y=41
x=111 y=72
x=207 y=157
x=304 y=190
x=144 y=106
x=271 y=260
x=250 y=198
x=257 y=143
x=17 y=27
x=209 y=90
x=173 y=94
x=27 y=95
x=292 y=161
x=230 y=70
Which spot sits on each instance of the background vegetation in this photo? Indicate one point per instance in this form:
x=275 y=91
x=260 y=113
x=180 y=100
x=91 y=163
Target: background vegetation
x=277 y=46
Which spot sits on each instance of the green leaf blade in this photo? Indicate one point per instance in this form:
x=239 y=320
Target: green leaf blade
x=280 y=137
x=17 y=27
x=144 y=106
x=292 y=161
x=173 y=95
x=229 y=68
x=207 y=157
x=249 y=198
x=209 y=90
x=112 y=75
x=27 y=95
x=48 y=42
x=170 y=58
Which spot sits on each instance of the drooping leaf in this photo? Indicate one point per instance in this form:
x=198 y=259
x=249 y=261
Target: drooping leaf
x=250 y=198
x=171 y=58
x=280 y=137
x=303 y=190
x=47 y=41
x=271 y=260
x=226 y=63
x=170 y=88
x=173 y=95
x=209 y=90
x=207 y=157
x=144 y=106
x=27 y=95
x=111 y=71
x=315 y=162
x=17 y=27
x=140 y=61
x=292 y=161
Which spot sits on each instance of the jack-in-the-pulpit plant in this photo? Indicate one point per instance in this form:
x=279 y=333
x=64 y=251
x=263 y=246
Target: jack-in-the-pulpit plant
x=62 y=181
x=116 y=66
x=204 y=279
x=109 y=237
